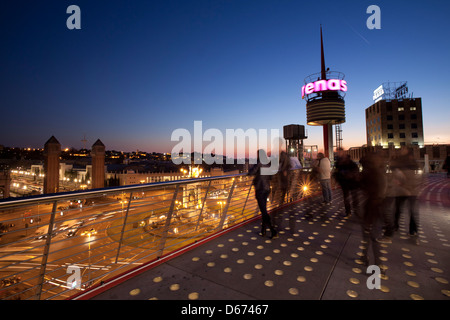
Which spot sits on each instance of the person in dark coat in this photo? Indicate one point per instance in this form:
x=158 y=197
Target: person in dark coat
x=347 y=175
x=283 y=175
x=373 y=184
x=261 y=182
x=447 y=165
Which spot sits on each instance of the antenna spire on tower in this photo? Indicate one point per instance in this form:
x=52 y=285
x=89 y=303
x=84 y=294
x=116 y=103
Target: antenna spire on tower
x=322 y=57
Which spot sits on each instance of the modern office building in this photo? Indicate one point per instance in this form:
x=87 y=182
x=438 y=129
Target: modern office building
x=395 y=120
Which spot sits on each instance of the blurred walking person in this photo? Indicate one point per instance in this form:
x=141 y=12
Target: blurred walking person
x=447 y=165
x=261 y=183
x=411 y=182
x=347 y=175
x=284 y=168
x=373 y=183
x=323 y=168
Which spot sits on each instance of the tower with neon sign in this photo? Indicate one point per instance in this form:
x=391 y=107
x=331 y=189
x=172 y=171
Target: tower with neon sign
x=325 y=105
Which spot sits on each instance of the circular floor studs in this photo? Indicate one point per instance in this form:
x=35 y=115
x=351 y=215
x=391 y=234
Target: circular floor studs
x=135 y=292
x=416 y=297
x=247 y=276
x=174 y=287
x=193 y=296
x=258 y=266
x=384 y=289
x=352 y=293
x=308 y=268
x=269 y=283
x=354 y=281
x=293 y=291
x=301 y=279
x=413 y=284
x=441 y=280
x=195 y=259
x=437 y=270
x=410 y=273
x=157 y=279
x=279 y=272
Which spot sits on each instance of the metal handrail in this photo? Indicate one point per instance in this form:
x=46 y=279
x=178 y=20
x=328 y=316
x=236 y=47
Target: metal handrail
x=7 y=203
x=49 y=253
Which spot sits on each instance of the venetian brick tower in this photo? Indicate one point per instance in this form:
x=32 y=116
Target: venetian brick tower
x=98 y=165
x=52 y=151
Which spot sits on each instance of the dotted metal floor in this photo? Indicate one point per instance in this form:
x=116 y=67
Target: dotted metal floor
x=315 y=257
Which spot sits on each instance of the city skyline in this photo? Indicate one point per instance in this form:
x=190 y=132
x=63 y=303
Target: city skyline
x=135 y=73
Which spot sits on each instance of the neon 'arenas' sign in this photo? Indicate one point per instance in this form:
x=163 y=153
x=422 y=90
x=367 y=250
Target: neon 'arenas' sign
x=324 y=85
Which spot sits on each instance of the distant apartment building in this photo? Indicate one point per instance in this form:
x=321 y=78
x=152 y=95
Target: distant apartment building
x=394 y=120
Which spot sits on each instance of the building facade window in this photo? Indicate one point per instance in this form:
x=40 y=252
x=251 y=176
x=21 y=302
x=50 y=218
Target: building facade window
x=402 y=135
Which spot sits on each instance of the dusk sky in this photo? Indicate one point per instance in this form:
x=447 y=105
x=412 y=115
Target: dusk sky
x=138 y=70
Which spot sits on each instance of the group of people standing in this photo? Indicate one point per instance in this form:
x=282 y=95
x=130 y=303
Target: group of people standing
x=376 y=192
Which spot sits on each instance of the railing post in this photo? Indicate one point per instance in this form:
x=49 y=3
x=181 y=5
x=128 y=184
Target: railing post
x=46 y=252
x=165 y=231
x=203 y=205
x=123 y=227
x=225 y=210
x=246 y=199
